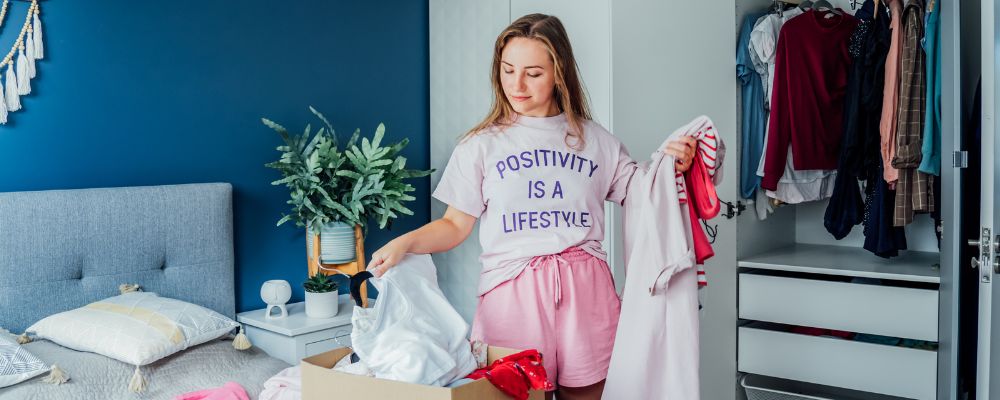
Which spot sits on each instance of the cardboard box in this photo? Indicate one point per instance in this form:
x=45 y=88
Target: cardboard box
x=319 y=382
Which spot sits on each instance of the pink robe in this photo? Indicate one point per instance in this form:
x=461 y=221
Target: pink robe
x=655 y=354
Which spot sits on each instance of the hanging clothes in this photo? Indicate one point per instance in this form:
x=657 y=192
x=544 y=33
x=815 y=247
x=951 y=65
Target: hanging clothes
x=656 y=345
x=764 y=47
x=864 y=98
x=754 y=117
x=810 y=79
x=881 y=237
x=799 y=186
x=914 y=191
x=931 y=150
x=794 y=186
x=890 y=102
x=859 y=150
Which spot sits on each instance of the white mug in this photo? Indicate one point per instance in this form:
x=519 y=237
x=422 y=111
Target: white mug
x=276 y=293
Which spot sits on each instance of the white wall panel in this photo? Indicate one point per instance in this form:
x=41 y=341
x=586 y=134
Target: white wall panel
x=462 y=34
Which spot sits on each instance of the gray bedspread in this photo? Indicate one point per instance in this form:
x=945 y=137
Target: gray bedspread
x=93 y=376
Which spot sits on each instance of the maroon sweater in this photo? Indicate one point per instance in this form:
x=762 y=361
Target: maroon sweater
x=807 y=103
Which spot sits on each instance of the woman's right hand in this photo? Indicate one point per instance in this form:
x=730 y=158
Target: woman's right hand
x=388 y=256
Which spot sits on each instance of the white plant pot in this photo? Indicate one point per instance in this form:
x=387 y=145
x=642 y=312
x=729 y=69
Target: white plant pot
x=322 y=305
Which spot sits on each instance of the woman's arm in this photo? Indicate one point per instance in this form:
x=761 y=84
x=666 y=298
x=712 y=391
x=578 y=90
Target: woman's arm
x=436 y=236
x=682 y=149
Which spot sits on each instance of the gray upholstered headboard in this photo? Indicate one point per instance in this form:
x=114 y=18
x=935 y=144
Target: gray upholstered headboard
x=63 y=249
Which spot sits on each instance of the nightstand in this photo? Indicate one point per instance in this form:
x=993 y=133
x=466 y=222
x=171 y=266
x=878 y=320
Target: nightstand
x=296 y=336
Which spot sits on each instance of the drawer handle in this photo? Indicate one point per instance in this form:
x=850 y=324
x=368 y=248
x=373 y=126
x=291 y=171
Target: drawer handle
x=341 y=344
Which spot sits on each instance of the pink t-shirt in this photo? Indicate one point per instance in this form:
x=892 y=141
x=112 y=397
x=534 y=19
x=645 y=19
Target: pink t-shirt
x=534 y=194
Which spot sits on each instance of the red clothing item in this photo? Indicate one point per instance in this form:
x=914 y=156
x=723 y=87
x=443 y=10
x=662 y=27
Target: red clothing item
x=807 y=103
x=516 y=373
x=696 y=187
x=703 y=205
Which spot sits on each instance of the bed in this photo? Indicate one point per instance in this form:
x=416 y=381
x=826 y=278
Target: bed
x=63 y=249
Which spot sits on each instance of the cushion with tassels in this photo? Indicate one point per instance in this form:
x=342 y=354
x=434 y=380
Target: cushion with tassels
x=136 y=328
x=16 y=363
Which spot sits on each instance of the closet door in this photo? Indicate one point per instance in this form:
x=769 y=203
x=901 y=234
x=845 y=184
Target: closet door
x=988 y=365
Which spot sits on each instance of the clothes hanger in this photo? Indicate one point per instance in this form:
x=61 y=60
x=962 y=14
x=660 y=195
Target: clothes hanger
x=356 y=281
x=777 y=8
x=825 y=6
x=805 y=5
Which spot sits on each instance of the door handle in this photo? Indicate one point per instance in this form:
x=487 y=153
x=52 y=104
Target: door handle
x=975 y=263
x=974 y=242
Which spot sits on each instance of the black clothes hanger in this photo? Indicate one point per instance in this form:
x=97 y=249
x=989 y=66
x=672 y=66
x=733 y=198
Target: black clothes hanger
x=776 y=7
x=356 y=281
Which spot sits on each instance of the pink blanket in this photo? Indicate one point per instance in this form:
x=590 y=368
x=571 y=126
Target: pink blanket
x=229 y=391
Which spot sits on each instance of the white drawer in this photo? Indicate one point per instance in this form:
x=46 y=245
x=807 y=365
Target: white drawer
x=890 y=370
x=341 y=339
x=879 y=310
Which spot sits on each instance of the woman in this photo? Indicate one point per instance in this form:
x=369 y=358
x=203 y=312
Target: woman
x=536 y=172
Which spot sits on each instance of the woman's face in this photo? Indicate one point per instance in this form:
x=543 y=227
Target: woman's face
x=527 y=75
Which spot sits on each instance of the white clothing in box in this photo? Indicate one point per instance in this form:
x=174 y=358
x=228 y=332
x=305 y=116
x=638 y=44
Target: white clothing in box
x=412 y=334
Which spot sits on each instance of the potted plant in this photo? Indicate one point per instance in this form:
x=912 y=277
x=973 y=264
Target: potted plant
x=334 y=190
x=321 y=297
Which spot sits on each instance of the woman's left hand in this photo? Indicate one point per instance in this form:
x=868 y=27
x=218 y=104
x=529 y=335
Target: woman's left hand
x=683 y=151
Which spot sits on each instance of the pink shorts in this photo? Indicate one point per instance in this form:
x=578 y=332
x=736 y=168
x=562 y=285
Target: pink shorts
x=565 y=306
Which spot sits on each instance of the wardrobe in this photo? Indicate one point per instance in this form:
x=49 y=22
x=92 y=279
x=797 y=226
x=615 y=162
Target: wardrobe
x=651 y=66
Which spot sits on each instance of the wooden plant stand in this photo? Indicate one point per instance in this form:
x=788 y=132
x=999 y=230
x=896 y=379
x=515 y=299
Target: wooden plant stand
x=349 y=269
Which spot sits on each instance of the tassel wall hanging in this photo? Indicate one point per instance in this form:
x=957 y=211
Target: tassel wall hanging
x=20 y=60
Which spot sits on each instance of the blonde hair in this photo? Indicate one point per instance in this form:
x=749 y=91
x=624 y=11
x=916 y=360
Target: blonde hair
x=568 y=91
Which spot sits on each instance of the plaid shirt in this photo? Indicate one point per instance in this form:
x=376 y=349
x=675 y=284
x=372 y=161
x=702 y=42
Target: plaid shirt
x=914 y=191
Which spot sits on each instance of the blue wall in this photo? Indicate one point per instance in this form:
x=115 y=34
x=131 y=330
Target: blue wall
x=166 y=92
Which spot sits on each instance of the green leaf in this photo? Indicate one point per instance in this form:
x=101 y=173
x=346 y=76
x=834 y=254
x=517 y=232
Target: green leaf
x=396 y=148
x=329 y=128
x=355 y=158
x=379 y=133
x=366 y=147
x=275 y=126
x=377 y=154
x=285 y=180
x=398 y=164
x=354 y=139
x=312 y=143
x=349 y=174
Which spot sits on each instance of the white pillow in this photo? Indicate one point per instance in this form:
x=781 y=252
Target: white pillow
x=136 y=328
x=16 y=363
